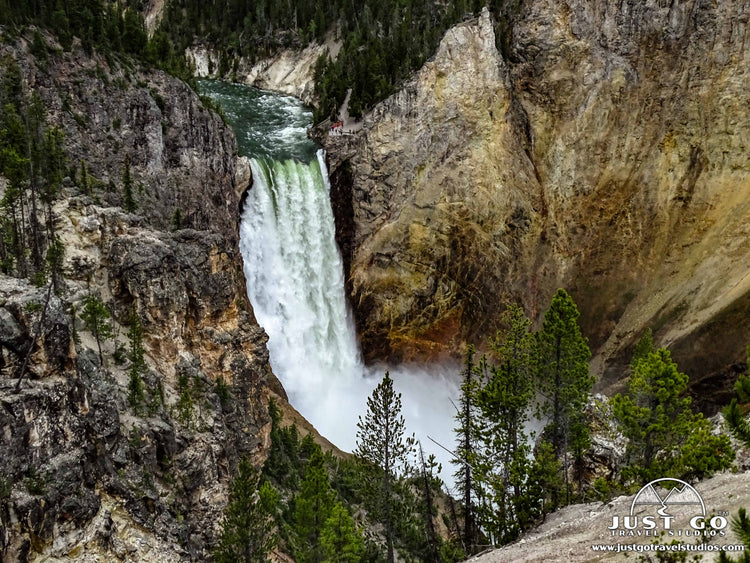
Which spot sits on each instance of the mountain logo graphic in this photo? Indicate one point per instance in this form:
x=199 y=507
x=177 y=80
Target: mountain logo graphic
x=668 y=506
x=679 y=493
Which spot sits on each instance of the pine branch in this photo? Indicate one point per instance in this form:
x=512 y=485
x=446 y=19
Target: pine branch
x=737 y=423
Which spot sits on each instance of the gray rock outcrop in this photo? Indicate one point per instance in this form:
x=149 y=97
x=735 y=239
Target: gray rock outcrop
x=84 y=475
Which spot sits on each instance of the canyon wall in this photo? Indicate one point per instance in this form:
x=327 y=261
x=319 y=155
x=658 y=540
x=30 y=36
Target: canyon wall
x=291 y=71
x=605 y=152
x=86 y=474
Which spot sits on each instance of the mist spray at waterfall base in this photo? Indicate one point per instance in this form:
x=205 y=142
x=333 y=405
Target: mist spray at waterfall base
x=295 y=283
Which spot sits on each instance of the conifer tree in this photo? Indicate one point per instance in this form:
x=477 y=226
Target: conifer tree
x=84 y=178
x=381 y=442
x=340 y=539
x=545 y=483
x=665 y=438
x=505 y=402
x=95 y=316
x=137 y=362
x=563 y=379
x=427 y=483
x=128 y=198
x=467 y=435
x=313 y=507
x=248 y=533
x=134 y=38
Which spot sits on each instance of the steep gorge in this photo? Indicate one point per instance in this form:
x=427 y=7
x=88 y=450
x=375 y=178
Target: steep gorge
x=85 y=475
x=605 y=153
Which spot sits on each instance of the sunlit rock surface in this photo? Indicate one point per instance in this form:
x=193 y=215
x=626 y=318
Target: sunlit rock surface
x=605 y=153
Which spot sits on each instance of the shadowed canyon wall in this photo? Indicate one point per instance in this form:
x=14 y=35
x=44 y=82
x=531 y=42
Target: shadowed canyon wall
x=84 y=474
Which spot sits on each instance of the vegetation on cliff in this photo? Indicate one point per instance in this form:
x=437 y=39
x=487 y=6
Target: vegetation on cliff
x=354 y=509
x=95 y=419
x=509 y=477
x=110 y=28
x=32 y=165
x=383 y=42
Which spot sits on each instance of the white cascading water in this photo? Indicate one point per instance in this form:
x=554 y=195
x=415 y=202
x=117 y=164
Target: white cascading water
x=294 y=273
x=295 y=282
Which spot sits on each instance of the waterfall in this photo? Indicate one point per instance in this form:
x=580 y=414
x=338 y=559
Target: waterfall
x=295 y=282
x=294 y=272
x=295 y=278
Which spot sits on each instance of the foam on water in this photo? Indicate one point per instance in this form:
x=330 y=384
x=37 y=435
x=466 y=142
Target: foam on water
x=295 y=282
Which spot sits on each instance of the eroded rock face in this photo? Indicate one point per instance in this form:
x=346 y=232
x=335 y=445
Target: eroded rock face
x=85 y=476
x=291 y=71
x=605 y=155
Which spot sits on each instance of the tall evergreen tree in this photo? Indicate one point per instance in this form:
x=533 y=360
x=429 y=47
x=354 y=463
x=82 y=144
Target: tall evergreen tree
x=381 y=443
x=563 y=379
x=505 y=402
x=313 y=506
x=467 y=436
x=248 y=533
x=426 y=485
x=134 y=38
x=95 y=315
x=136 y=393
x=128 y=197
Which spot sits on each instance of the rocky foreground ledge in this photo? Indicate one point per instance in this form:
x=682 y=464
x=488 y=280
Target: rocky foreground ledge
x=569 y=534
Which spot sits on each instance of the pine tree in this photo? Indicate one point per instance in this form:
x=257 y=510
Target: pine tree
x=137 y=362
x=128 y=199
x=563 y=379
x=505 y=402
x=381 y=443
x=54 y=259
x=426 y=485
x=545 y=483
x=134 y=38
x=95 y=316
x=313 y=506
x=185 y=404
x=340 y=539
x=248 y=533
x=84 y=178
x=467 y=434
x=283 y=457
x=665 y=438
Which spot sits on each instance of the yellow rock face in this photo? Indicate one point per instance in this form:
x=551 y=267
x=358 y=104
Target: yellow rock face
x=608 y=155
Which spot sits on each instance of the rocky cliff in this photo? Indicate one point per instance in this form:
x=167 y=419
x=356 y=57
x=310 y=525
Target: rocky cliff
x=569 y=533
x=87 y=476
x=605 y=152
x=291 y=71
